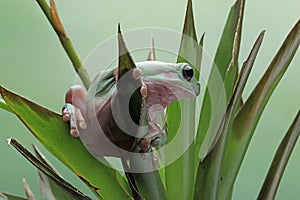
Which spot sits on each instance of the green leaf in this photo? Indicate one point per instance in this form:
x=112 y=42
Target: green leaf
x=284 y=151
x=208 y=177
x=228 y=49
x=181 y=119
x=249 y=114
x=4 y=106
x=126 y=63
x=148 y=184
x=49 y=172
x=221 y=81
x=236 y=15
x=53 y=133
x=128 y=87
x=4 y=196
x=51 y=189
x=199 y=57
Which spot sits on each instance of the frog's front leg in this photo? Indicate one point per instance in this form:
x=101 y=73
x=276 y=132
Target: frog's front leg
x=156 y=137
x=75 y=108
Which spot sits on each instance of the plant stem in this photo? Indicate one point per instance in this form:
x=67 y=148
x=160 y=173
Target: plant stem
x=52 y=16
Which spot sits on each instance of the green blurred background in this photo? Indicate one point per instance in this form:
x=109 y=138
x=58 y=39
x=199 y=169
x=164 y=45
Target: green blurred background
x=33 y=63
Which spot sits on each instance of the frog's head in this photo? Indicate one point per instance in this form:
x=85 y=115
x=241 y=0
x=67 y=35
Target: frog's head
x=167 y=82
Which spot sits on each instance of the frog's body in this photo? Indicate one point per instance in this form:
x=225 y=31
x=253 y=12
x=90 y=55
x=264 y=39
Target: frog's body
x=97 y=112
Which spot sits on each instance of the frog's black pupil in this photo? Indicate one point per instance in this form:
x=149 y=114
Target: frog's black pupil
x=188 y=73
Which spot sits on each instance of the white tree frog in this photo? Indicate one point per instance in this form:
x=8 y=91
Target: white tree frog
x=93 y=115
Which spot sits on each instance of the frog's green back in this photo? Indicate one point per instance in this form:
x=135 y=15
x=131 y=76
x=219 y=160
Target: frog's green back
x=103 y=87
x=105 y=83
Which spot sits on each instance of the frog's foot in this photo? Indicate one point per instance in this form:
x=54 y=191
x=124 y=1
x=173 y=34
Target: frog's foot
x=146 y=144
x=74 y=116
x=159 y=135
x=158 y=142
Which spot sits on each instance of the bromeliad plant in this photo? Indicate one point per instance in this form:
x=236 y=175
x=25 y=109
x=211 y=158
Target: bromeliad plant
x=213 y=153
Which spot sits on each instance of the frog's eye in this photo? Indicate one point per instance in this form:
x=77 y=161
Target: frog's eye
x=188 y=72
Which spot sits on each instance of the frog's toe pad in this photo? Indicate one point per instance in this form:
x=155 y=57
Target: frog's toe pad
x=137 y=73
x=74 y=116
x=143 y=91
x=157 y=142
x=66 y=117
x=74 y=132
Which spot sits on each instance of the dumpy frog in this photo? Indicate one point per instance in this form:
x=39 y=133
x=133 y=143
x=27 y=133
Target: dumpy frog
x=95 y=115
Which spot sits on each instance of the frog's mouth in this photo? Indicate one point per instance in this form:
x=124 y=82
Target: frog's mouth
x=197 y=89
x=164 y=95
